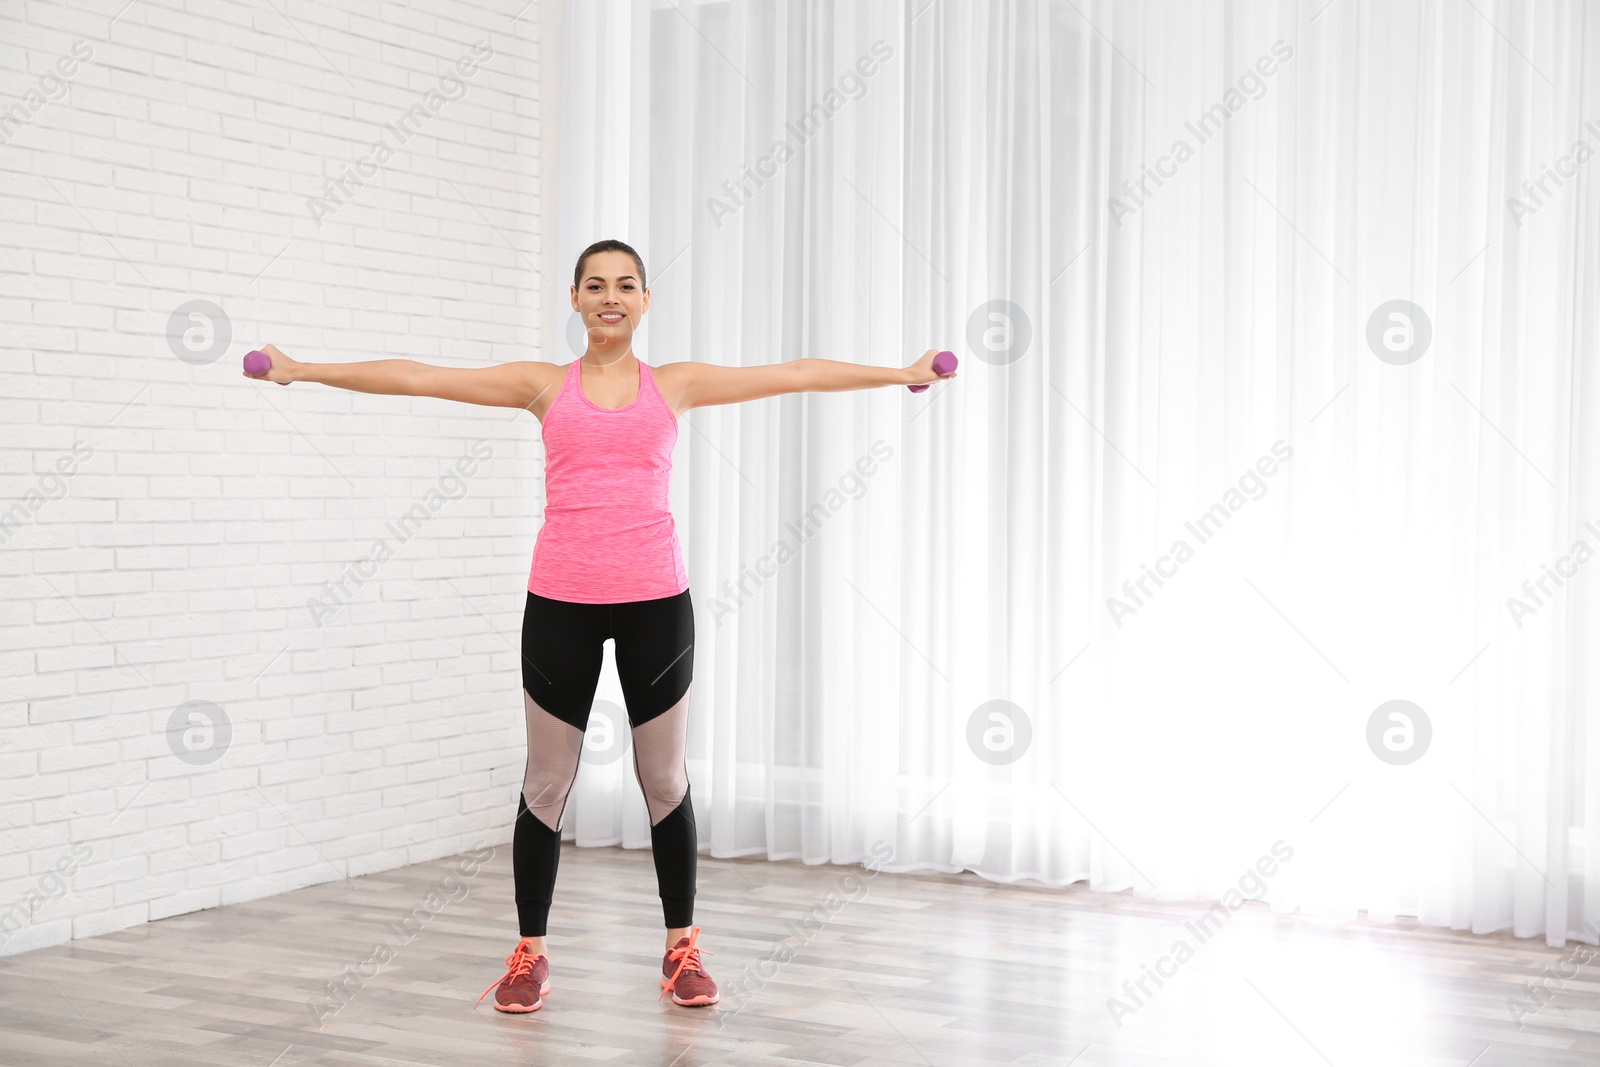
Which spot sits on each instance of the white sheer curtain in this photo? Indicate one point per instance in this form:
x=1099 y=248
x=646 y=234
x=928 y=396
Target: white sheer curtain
x=908 y=649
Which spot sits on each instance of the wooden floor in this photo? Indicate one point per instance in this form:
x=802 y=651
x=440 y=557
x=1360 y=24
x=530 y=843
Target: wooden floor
x=894 y=969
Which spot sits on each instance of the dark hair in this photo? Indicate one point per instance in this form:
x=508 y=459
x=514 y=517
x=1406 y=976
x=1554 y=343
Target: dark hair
x=606 y=246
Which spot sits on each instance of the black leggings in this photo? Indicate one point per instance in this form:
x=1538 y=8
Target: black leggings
x=562 y=646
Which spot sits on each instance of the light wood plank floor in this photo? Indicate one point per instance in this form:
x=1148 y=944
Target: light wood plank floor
x=913 y=969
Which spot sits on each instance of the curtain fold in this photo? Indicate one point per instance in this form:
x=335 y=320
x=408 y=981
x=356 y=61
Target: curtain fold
x=1256 y=531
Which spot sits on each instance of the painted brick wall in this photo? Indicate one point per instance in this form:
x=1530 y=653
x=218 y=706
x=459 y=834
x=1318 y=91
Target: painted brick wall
x=254 y=638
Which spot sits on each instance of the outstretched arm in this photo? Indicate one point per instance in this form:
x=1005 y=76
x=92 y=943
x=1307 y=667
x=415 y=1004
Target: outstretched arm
x=831 y=376
x=512 y=385
x=828 y=376
x=707 y=383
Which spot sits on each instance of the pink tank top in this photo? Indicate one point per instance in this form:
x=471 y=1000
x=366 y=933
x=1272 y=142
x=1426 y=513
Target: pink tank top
x=608 y=536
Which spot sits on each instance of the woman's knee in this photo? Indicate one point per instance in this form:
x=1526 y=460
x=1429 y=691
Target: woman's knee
x=658 y=763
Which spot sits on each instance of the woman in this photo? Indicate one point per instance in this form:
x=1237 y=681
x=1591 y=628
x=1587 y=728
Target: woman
x=606 y=564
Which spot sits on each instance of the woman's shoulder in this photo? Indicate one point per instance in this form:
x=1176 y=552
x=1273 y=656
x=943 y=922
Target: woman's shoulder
x=673 y=381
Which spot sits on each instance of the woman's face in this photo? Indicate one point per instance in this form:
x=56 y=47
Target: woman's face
x=610 y=300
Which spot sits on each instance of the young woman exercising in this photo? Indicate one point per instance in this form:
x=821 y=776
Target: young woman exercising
x=606 y=564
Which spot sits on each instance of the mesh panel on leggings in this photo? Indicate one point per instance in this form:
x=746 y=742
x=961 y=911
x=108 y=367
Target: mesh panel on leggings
x=658 y=752
x=553 y=749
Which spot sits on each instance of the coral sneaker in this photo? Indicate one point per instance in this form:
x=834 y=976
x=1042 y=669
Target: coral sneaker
x=681 y=972
x=523 y=986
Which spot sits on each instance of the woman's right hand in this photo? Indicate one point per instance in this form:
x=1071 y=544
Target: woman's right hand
x=282 y=370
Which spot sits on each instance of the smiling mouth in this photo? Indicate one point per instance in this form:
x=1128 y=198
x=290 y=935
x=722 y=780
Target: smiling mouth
x=610 y=318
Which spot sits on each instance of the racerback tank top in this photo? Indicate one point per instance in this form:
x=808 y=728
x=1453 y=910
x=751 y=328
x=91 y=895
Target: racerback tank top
x=608 y=535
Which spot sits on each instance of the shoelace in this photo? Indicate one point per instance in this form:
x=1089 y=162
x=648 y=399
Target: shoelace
x=520 y=962
x=688 y=958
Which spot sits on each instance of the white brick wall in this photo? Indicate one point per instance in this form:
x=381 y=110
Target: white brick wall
x=173 y=518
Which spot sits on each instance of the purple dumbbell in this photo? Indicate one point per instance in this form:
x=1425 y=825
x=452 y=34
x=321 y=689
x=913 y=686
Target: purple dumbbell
x=943 y=363
x=257 y=363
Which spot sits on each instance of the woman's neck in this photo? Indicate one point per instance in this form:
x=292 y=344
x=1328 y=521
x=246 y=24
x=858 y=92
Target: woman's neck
x=602 y=361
